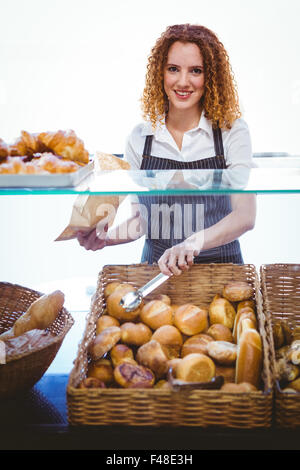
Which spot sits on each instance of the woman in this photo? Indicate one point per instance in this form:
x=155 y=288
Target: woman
x=193 y=121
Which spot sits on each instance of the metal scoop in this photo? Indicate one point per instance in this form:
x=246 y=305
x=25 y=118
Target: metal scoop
x=132 y=300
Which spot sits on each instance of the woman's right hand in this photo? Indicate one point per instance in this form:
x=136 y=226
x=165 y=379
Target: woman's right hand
x=93 y=240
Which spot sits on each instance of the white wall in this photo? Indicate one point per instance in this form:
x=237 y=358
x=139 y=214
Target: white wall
x=81 y=64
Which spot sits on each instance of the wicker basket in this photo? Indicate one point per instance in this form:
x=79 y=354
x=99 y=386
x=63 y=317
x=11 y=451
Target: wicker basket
x=23 y=371
x=157 y=407
x=280 y=285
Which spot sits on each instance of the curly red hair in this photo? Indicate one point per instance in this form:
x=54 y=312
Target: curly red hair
x=220 y=101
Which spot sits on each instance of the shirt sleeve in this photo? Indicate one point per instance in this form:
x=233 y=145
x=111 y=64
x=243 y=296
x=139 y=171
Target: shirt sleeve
x=238 y=146
x=133 y=148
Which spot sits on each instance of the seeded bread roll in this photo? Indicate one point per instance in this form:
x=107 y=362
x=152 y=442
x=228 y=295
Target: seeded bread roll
x=220 y=332
x=196 y=344
x=190 y=319
x=156 y=314
x=170 y=339
x=104 y=342
x=133 y=376
x=223 y=352
x=196 y=368
x=237 y=291
x=135 y=333
x=221 y=311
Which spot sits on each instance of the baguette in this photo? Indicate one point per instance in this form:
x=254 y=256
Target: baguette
x=249 y=357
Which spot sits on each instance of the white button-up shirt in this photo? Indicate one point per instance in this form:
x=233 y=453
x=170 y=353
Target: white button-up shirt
x=197 y=144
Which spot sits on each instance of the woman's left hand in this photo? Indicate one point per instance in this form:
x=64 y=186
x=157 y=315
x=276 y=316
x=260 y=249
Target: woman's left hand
x=180 y=257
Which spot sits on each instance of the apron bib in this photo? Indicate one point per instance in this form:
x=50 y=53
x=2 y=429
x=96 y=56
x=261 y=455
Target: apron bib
x=161 y=235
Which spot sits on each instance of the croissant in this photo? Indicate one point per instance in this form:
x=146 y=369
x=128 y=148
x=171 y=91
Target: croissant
x=27 y=144
x=54 y=164
x=3 y=149
x=66 y=144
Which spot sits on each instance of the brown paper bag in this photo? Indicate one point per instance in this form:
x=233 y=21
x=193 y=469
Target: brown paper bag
x=91 y=211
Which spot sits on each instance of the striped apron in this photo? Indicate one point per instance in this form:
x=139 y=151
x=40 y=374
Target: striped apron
x=213 y=209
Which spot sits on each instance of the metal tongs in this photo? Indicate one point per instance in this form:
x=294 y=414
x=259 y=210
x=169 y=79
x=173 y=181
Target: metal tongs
x=132 y=300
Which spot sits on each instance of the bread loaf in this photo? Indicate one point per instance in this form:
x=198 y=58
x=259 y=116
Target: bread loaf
x=196 y=368
x=156 y=313
x=249 y=358
x=237 y=291
x=221 y=311
x=191 y=319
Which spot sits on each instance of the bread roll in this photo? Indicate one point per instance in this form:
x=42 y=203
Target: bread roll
x=104 y=342
x=220 y=332
x=110 y=288
x=152 y=356
x=121 y=353
x=244 y=324
x=135 y=333
x=249 y=358
x=163 y=384
x=222 y=352
x=295 y=384
x=196 y=368
x=221 y=311
x=102 y=370
x=170 y=339
x=196 y=344
x=236 y=291
x=286 y=370
x=40 y=314
x=191 y=319
x=238 y=388
x=133 y=376
x=245 y=312
x=115 y=309
x=173 y=363
x=227 y=372
x=164 y=298
x=91 y=382
x=105 y=321
x=156 y=314
x=246 y=303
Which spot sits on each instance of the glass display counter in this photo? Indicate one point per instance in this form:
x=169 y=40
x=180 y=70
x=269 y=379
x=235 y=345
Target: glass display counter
x=32 y=218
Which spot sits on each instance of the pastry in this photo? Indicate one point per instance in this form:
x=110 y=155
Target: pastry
x=133 y=376
x=66 y=144
x=191 y=319
x=156 y=313
x=196 y=368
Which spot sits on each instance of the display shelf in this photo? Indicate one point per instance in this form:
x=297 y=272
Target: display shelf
x=178 y=182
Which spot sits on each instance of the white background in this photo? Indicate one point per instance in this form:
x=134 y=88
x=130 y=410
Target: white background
x=81 y=65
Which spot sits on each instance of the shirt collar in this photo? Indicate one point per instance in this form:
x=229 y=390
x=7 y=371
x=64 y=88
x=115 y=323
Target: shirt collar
x=160 y=130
